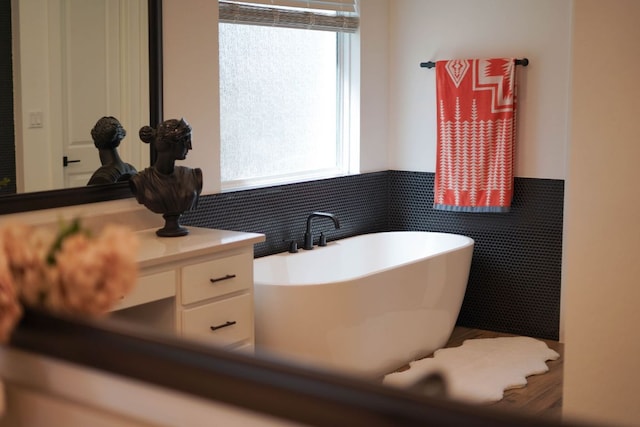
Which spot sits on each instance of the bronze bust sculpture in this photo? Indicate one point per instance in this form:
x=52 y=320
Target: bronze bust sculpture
x=165 y=188
x=107 y=134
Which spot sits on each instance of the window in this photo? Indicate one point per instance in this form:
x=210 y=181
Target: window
x=284 y=97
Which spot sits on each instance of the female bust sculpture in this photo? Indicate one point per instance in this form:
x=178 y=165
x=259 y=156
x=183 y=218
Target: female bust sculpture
x=164 y=187
x=107 y=134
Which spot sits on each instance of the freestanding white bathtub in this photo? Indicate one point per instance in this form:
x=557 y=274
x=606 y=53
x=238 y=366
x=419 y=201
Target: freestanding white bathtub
x=364 y=305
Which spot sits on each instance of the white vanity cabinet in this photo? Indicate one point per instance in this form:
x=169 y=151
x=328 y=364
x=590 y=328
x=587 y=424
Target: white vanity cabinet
x=199 y=286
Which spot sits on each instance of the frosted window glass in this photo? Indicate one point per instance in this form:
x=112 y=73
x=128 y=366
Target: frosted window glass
x=277 y=101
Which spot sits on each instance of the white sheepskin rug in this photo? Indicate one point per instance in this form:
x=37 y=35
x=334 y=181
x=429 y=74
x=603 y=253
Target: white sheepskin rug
x=480 y=369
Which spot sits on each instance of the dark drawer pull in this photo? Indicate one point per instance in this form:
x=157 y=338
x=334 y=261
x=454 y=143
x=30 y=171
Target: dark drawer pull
x=224 y=325
x=220 y=279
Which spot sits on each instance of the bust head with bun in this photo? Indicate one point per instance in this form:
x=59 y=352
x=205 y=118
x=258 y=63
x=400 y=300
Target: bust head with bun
x=107 y=134
x=164 y=187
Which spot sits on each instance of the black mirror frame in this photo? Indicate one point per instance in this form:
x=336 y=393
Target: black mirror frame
x=262 y=384
x=39 y=200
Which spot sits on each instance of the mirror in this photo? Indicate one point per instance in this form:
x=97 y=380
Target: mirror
x=44 y=198
x=57 y=198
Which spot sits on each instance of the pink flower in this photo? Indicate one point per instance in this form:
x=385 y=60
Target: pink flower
x=26 y=249
x=71 y=273
x=10 y=310
x=95 y=273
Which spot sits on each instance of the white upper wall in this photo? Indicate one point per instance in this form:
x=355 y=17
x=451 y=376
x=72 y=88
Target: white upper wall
x=190 y=80
x=430 y=30
x=374 y=85
x=397 y=97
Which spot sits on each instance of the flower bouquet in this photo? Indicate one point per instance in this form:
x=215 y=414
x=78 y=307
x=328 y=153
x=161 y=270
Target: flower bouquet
x=71 y=272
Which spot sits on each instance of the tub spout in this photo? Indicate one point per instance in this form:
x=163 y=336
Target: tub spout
x=308 y=235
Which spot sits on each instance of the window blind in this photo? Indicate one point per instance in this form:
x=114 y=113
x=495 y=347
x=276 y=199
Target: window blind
x=326 y=15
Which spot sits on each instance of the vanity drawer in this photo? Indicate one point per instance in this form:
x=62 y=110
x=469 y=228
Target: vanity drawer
x=217 y=277
x=149 y=288
x=232 y=320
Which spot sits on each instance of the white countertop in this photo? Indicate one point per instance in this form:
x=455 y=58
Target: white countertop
x=156 y=250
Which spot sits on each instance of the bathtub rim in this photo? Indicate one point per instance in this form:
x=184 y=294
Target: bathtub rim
x=469 y=242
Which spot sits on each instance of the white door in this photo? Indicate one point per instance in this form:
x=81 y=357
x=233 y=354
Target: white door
x=104 y=72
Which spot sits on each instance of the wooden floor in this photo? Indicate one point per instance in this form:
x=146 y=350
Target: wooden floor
x=542 y=396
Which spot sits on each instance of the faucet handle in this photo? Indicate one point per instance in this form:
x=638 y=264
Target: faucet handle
x=308 y=241
x=323 y=240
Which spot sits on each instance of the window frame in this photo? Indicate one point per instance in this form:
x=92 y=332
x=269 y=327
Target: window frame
x=347 y=131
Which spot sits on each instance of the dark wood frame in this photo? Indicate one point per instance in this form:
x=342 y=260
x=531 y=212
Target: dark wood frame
x=268 y=386
x=38 y=200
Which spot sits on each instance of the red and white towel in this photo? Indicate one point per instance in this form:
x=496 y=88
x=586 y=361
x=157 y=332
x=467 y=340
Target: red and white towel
x=476 y=134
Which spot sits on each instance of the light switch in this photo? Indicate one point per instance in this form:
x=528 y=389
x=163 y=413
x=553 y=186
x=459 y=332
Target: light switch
x=35 y=119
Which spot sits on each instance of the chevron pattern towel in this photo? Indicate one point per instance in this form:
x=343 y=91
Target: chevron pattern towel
x=476 y=135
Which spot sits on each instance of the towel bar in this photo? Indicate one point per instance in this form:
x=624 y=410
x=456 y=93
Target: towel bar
x=524 y=62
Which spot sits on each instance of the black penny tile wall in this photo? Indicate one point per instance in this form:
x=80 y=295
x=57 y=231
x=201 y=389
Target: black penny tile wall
x=514 y=283
x=7 y=148
x=360 y=202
